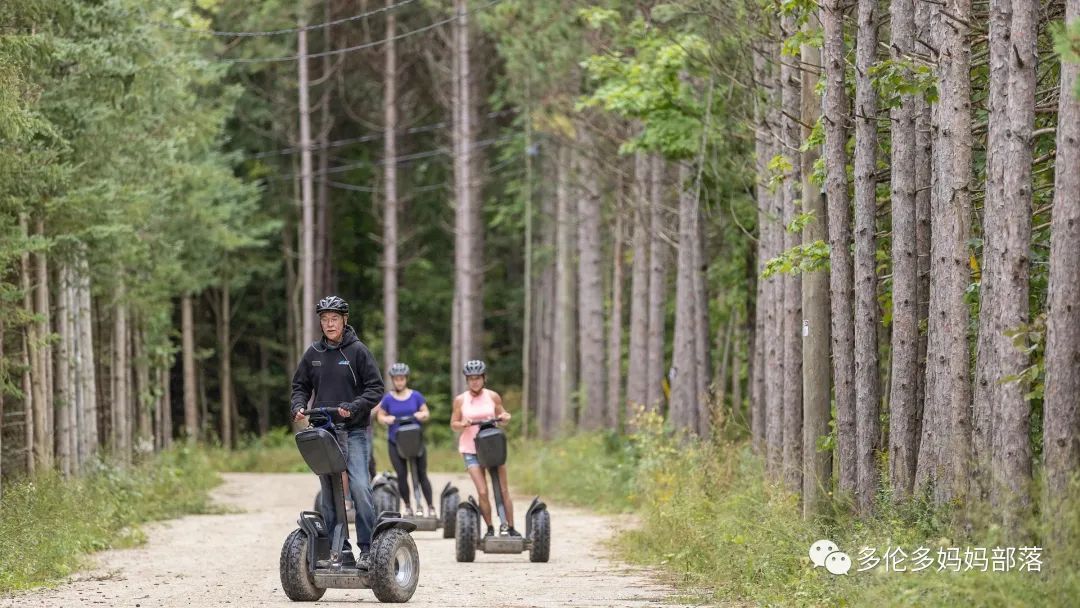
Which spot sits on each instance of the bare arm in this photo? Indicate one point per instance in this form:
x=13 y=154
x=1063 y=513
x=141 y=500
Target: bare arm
x=500 y=412
x=423 y=413
x=457 y=421
x=383 y=418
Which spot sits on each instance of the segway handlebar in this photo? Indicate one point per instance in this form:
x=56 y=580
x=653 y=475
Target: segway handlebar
x=329 y=413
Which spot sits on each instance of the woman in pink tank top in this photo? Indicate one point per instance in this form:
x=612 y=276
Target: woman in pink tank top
x=476 y=404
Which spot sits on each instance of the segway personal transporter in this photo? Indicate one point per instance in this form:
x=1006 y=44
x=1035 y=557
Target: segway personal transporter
x=385 y=496
x=312 y=556
x=491 y=452
x=410 y=447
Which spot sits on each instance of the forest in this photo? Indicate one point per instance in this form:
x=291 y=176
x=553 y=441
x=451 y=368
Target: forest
x=842 y=235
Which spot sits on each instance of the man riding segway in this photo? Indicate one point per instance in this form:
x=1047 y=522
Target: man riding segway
x=340 y=372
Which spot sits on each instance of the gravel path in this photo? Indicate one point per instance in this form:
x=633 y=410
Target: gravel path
x=232 y=560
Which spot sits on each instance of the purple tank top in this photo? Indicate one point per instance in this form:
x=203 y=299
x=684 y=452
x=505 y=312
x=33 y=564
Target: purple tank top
x=398 y=408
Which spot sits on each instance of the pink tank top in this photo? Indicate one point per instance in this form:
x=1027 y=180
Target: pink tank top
x=476 y=408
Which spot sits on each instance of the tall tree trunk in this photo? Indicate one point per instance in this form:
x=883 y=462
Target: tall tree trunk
x=144 y=434
x=307 y=203
x=187 y=331
x=33 y=391
x=1011 y=443
x=775 y=361
x=615 y=326
x=262 y=405
x=390 y=204
x=658 y=286
x=527 y=358
x=903 y=404
x=64 y=393
x=923 y=186
x=702 y=397
x=45 y=439
x=547 y=364
x=723 y=345
x=841 y=273
x=683 y=414
x=564 y=280
x=867 y=374
x=817 y=465
x=1061 y=434
x=637 y=377
x=225 y=347
x=465 y=263
x=166 y=409
x=119 y=409
x=791 y=98
x=944 y=452
x=293 y=330
x=88 y=424
x=762 y=149
x=323 y=221
x=590 y=287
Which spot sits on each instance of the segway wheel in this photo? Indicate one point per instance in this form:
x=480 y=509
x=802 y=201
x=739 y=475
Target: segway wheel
x=448 y=509
x=384 y=500
x=395 y=566
x=466 y=533
x=541 y=537
x=296 y=577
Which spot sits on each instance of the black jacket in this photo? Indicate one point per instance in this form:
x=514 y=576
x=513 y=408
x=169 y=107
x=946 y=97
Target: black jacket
x=345 y=375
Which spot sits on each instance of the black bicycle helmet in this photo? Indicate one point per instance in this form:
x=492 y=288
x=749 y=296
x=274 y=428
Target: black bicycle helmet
x=399 y=369
x=332 y=304
x=474 y=367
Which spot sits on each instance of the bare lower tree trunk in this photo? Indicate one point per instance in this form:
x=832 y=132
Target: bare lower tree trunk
x=658 y=286
x=44 y=425
x=923 y=185
x=119 y=410
x=590 y=288
x=1061 y=433
x=390 y=208
x=637 y=377
x=262 y=406
x=88 y=423
x=867 y=374
x=465 y=262
x=615 y=326
x=144 y=433
x=64 y=393
x=1011 y=443
x=775 y=361
x=564 y=279
x=33 y=391
x=791 y=99
x=817 y=465
x=187 y=330
x=224 y=322
x=944 y=453
x=903 y=404
x=683 y=414
x=841 y=274
x=759 y=391
x=702 y=398
x=307 y=195
x=166 y=410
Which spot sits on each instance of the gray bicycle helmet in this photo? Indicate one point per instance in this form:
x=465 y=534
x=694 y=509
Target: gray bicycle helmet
x=474 y=367
x=399 y=369
x=332 y=304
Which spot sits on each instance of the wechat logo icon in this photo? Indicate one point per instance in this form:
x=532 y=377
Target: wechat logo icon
x=826 y=554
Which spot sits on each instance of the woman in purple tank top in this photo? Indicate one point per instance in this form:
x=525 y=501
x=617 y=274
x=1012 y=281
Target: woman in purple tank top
x=399 y=402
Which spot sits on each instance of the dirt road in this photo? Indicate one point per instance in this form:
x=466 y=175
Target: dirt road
x=232 y=560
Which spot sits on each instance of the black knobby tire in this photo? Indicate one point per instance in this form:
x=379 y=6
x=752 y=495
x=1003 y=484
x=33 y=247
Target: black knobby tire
x=395 y=566
x=541 y=536
x=467 y=528
x=449 y=508
x=384 y=499
x=296 y=578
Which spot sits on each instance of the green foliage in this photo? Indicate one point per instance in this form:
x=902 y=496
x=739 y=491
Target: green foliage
x=799 y=259
x=1067 y=43
x=894 y=78
x=725 y=535
x=50 y=524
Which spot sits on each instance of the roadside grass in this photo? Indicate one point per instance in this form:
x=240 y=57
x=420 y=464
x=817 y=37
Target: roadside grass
x=49 y=526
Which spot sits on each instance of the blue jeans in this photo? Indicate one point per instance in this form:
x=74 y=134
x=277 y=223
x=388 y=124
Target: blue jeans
x=357 y=447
